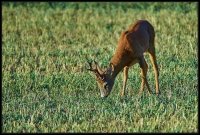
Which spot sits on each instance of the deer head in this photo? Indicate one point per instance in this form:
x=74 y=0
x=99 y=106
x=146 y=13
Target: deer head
x=104 y=78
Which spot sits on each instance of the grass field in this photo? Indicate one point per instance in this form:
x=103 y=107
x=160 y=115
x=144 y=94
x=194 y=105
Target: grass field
x=45 y=84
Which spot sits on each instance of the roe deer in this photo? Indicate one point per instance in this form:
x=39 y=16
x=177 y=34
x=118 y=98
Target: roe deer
x=133 y=43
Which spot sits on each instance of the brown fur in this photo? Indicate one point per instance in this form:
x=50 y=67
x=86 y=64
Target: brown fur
x=133 y=43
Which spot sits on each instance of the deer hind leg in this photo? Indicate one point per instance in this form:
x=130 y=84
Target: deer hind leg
x=144 y=69
x=125 y=80
x=155 y=68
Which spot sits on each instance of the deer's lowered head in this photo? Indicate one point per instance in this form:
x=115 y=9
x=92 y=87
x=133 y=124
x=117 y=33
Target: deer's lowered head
x=104 y=78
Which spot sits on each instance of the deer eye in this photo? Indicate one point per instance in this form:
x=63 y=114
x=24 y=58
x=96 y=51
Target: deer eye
x=103 y=78
x=105 y=86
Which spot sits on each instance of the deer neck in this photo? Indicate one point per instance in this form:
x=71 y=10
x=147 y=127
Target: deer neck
x=119 y=62
x=117 y=69
x=122 y=57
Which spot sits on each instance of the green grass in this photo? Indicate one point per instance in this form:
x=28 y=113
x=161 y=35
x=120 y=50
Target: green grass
x=46 y=87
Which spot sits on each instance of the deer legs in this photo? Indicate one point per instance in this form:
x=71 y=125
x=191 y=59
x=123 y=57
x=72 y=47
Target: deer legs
x=125 y=80
x=155 y=68
x=144 y=69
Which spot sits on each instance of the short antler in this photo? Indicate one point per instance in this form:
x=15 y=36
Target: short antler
x=91 y=68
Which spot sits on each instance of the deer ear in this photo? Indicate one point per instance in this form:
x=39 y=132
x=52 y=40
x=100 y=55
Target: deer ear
x=111 y=69
x=98 y=68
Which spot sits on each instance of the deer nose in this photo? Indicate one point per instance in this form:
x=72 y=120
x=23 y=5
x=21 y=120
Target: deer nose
x=102 y=96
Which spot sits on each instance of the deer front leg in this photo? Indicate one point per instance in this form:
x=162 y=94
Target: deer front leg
x=144 y=69
x=125 y=80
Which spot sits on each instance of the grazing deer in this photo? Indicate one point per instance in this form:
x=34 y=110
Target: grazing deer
x=132 y=45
